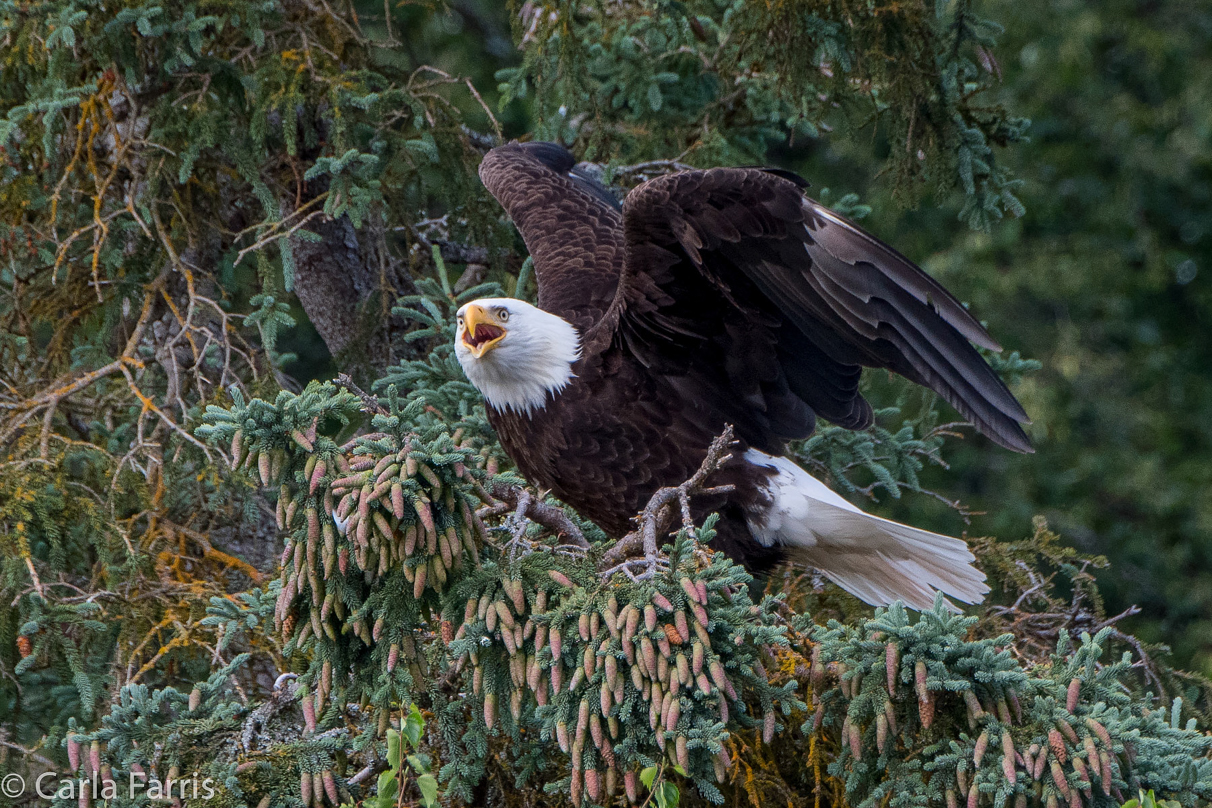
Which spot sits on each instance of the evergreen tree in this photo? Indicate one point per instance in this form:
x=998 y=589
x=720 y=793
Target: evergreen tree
x=215 y=560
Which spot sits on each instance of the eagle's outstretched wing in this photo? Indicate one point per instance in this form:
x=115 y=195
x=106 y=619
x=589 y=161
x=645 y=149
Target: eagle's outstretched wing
x=762 y=303
x=570 y=224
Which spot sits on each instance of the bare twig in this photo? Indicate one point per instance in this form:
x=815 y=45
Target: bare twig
x=525 y=505
x=1036 y=618
x=370 y=404
x=275 y=231
x=29 y=753
x=456 y=253
x=366 y=772
x=481 y=140
x=642 y=172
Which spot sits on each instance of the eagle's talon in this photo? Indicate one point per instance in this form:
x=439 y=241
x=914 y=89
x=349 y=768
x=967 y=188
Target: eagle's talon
x=650 y=566
x=517 y=523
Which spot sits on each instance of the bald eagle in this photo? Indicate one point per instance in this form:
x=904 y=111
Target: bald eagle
x=708 y=298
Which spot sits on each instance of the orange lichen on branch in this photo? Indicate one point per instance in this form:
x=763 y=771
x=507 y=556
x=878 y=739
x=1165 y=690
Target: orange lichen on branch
x=210 y=551
x=67 y=171
x=177 y=641
x=756 y=772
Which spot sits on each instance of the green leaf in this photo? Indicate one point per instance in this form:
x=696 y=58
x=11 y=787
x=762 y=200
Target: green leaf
x=655 y=99
x=388 y=788
x=393 y=748
x=429 y=789
x=414 y=725
x=648 y=776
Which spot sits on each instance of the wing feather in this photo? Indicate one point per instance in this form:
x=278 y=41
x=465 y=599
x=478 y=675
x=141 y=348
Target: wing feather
x=883 y=310
x=849 y=243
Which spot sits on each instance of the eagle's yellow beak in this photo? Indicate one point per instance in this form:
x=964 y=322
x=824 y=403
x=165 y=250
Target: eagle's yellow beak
x=480 y=332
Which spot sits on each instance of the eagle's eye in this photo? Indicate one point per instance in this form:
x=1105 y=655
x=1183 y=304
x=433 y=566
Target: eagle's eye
x=503 y=315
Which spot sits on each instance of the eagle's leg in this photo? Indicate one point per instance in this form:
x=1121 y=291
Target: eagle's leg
x=524 y=508
x=516 y=523
x=653 y=521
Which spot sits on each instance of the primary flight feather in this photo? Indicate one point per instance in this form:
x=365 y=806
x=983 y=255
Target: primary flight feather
x=708 y=298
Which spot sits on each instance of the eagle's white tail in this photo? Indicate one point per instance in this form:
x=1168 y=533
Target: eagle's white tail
x=875 y=559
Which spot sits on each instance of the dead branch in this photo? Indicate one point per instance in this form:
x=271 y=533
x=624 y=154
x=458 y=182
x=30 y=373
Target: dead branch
x=29 y=753
x=526 y=505
x=642 y=172
x=455 y=253
x=370 y=404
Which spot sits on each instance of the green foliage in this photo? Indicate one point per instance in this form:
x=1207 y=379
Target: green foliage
x=390 y=513
x=1149 y=801
x=720 y=81
x=664 y=793
x=152 y=186
x=436 y=375
x=921 y=712
x=1106 y=281
x=614 y=672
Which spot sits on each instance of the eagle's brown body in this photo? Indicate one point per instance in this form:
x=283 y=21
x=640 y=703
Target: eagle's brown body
x=605 y=445
x=716 y=297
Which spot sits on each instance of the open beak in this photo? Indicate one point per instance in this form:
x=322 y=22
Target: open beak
x=480 y=333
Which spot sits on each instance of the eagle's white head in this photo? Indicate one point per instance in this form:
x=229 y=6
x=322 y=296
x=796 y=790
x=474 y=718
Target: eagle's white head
x=515 y=353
